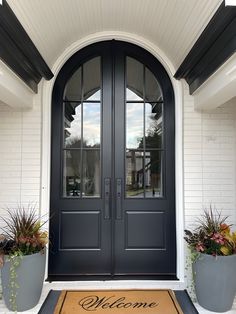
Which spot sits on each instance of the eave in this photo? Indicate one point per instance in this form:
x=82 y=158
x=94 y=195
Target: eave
x=216 y=45
x=19 y=52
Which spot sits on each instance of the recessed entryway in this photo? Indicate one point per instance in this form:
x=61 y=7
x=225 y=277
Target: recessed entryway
x=113 y=166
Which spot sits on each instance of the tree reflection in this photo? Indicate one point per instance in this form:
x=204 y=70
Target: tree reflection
x=145 y=170
x=82 y=168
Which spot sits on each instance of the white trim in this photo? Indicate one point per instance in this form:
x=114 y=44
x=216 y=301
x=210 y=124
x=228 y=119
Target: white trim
x=101 y=36
x=230 y=2
x=117 y=284
x=13 y=91
x=219 y=88
x=46 y=94
x=179 y=179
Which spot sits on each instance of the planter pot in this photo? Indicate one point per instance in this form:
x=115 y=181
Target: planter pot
x=29 y=278
x=215 y=281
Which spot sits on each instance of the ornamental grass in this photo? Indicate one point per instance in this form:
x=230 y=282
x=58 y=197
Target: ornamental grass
x=23 y=233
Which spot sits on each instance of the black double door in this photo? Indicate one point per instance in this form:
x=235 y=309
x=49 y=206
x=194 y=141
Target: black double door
x=112 y=202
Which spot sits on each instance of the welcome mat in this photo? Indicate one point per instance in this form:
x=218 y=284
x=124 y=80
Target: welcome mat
x=118 y=302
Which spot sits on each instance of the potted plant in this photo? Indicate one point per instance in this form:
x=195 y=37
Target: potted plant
x=22 y=258
x=213 y=246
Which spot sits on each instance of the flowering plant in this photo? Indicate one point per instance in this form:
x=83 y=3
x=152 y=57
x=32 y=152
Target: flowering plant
x=23 y=234
x=212 y=235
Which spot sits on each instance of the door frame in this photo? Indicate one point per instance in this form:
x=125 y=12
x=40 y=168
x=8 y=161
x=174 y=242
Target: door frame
x=45 y=97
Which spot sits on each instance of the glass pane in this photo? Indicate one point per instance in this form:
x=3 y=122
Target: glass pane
x=72 y=125
x=153 y=125
x=92 y=79
x=153 y=173
x=134 y=79
x=72 y=174
x=91 y=124
x=134 y=125
x=73 y=87
x=153 y=90
x=134 y=174
x=91 y=173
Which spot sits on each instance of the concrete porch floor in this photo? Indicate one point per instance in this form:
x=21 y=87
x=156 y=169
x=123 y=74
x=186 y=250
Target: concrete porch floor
x=82 y=285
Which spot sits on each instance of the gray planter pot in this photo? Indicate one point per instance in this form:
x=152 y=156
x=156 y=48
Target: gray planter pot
x=30 y=277
x=215 y=281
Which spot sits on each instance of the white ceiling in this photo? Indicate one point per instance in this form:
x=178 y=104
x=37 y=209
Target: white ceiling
x=172 y=25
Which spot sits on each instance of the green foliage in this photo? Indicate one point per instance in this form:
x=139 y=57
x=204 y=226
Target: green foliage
x=189 y=275
x=15 y=260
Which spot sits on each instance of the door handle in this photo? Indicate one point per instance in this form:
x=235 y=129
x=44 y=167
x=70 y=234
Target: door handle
x=107 y=198
x=118 y=199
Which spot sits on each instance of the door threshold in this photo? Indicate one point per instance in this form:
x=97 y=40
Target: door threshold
x=117 y=284
x=105 y=277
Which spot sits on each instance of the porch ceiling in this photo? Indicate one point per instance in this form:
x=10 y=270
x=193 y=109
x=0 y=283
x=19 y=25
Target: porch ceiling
x=172 y=25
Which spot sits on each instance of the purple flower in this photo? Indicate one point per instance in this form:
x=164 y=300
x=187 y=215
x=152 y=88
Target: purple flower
x=200 y=247
x=218 y=238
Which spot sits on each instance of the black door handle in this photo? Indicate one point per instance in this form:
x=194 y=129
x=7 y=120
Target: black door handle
x=118 y=199
x=107 y=198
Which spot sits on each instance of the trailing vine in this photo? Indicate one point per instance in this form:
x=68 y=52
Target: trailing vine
x=191 y=258
x=15 y=260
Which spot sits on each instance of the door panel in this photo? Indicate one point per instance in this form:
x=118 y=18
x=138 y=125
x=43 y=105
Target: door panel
x=147 y=224
x=81 y=223
x=81 y=146
x=112 y=174
x=146 y=231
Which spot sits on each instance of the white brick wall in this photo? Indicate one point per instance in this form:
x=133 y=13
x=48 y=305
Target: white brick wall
x=209 y=160
x=20 y=145
x=209 y=164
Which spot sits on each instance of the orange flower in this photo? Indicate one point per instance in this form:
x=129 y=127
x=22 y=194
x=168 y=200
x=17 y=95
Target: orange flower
x=43 y=238
x=224 y=228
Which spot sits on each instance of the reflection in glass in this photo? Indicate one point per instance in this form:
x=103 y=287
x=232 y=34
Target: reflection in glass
x=153 y=173
x=153 y=90
x=153 y=125
x=91 y=124
x=72 y=90
x=134 y=79
x=144 y=132
x=82 y=130
x=134 y=174
x=134 y=125
x=91 y=173
x=92 y=79
x=72 y=125
x=72 y=173
x=131 y=96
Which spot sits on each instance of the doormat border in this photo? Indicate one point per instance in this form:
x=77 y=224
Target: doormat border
x=65 y=293
x=182 y=297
